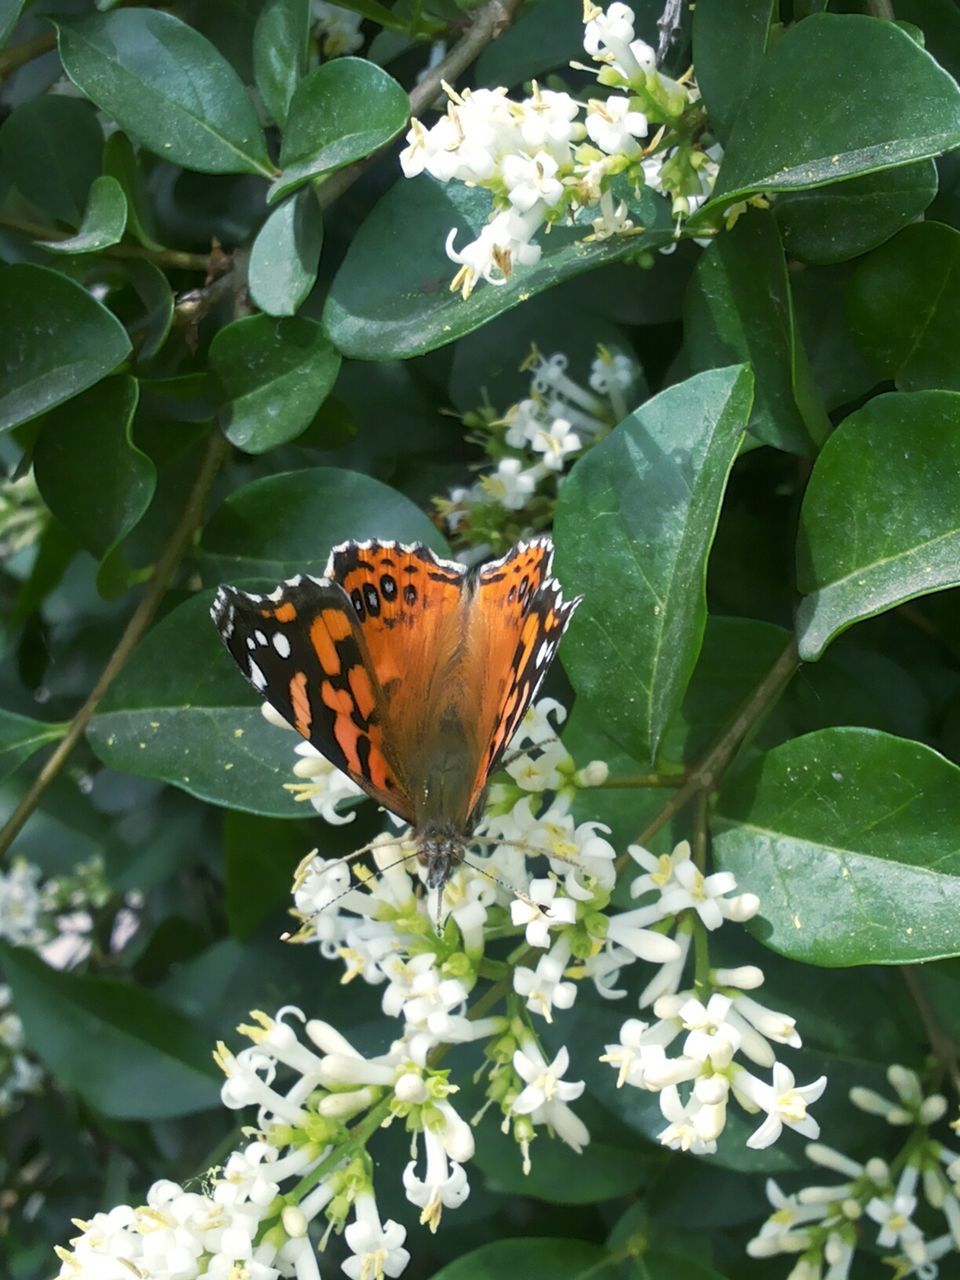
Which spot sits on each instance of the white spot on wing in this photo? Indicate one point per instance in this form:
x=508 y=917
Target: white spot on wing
x=261 y=638
x=281 y=644
x=257 y=676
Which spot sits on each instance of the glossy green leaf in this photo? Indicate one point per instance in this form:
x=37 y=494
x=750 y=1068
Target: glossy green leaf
x=904 y=308
x=125 y=1052
x=276 y=375
x=815 y=115
x=55 y=341
x=120 y=161
x=650 y=495
x=851 y=840
x=9 y=14
x=167 y=86
x=287 y=524
x=339 y=113
x=261 y=856
x=91 y=474
x=285 y=256
x=532 y=1257
x=104 y=221
x=546 y=36
x=181 y=712
x=50 y=150
x=280 y=53
x=729 y=46
x=846 y=219
x=559 y=1175
x=880 y=522
x=20 y=737
x=739 y=307
x=373 y=314
x=149 y=330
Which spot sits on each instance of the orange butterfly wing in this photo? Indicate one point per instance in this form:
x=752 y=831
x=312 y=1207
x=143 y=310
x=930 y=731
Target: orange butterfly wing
x=517 y=618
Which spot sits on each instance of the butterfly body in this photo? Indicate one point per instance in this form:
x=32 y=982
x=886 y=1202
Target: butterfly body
x=408 y=672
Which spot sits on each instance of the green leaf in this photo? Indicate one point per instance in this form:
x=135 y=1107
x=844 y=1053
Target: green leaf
x=9 y=15
x=532 y=1257
x=904 y=309
x=276 y=374
x=729 y=45
x=104 y=221
x=180 y=711
x=167 y=86
x=650 y=495
x=546 y=35
x=739 y=307
x=55 y=340
x=846 y=219
x=559 y=1175
x=121 y=1049
x=50 y=149
x=151 y=328
x=280 y=53
x=260 y=858
x=20 y=737
x=286 y=524
x=851 y=840
x=880 y=522
x=814 y=115
x=285 y=256
x=92 y=476
x=120 y=161
x=339 y=113
x=373 y=314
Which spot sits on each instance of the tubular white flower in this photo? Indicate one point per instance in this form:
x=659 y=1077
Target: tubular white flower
x=546 y=1094
x=784 y=1102
x=377 y=1248
x=532 y=181
x=541 y=911
x=641 y=1047
x=615 y=127
x=325 y=785
x=543 y=987
x=510 y=485
x=339 y=29
x=541 y=772
x=444 y=1184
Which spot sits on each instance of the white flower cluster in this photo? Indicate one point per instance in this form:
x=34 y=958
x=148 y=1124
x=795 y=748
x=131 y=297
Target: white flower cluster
x=547 y=158
x=337 y=29
x=534 y=442
x=822 y=1226
x=19 y=1076
x=713 y=1024
x=51 y=918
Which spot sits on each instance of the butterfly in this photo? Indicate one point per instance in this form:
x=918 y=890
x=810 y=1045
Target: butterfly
x=409 y=672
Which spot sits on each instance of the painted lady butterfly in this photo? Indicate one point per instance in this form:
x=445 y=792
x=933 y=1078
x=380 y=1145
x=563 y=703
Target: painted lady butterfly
x=408 y=672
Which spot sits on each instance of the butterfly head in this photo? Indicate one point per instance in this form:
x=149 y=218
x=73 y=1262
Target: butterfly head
x=440 y=848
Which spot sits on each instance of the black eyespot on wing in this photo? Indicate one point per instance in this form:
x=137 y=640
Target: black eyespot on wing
x=388 y=587
x=371 y=599
x=410 y=593
x=356 y=599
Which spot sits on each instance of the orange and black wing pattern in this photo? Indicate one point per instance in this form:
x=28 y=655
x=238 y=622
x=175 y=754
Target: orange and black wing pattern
x=517 y=618
x=302 y=649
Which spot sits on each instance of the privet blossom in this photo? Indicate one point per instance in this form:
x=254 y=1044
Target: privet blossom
x=529 y=910
x=551 y=159
x=876 y=1201
x=532 y=444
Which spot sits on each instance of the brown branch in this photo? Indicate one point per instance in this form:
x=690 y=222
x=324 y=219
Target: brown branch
x=942 y=1045
x=164 y=570
x=19 y=55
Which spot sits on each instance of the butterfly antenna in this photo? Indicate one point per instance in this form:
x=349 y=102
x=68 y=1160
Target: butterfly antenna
x=357 y=853
x=522 y=751
x=509 y=888
x=381 y=871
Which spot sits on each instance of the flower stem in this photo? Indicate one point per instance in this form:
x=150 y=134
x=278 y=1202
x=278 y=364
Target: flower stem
x=943 y=1046
x=143 y=615
x=639 y=780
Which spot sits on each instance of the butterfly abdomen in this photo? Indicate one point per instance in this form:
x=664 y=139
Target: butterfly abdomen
x=440 y=848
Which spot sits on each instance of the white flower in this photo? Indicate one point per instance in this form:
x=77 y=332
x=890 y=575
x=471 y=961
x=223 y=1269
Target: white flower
x=444 y=1184
x=896 y=1226
x=510 y=484
x=21 y=905
x=530 y=180
x=541 y=724
x=339 y=28
x=378 y=1249
x=501 y=245
x=547 y=120
x=784 y=1102
x=611 y=371
x=609 y=37
x=613 y=219
x=556 y=441
x=541 y=772
x=615 y=127
x=541 y=910
x=325 y=786
x=543 y=987
x=641 y=1047
x=546 y=1094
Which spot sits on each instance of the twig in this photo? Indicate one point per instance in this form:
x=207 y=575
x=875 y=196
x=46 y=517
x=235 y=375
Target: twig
x=640 y=780
x=943 y=1046
x=18 y=55
x=164 y=570
x=174 y=258
x=704 y=776
x=670 y=24
x=487 y=24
